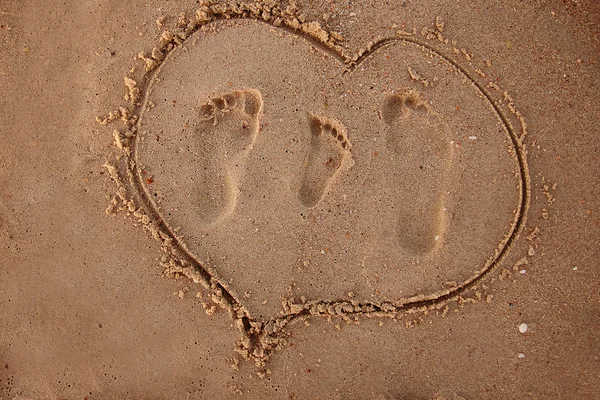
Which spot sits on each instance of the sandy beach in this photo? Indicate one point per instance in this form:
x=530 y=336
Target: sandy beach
x=304 y=200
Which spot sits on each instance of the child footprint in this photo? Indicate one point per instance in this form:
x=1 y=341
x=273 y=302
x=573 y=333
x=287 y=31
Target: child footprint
x=329 y=150
x=226 y=130
x=420 y=145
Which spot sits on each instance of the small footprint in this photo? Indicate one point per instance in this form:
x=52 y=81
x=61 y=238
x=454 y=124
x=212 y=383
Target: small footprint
x=420 y=145
x=226 y=130
x=329 y=150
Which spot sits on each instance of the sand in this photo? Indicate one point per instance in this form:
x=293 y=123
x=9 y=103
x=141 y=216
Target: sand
x=299 y=200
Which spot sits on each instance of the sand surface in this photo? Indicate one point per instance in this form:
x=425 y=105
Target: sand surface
x=332 y=200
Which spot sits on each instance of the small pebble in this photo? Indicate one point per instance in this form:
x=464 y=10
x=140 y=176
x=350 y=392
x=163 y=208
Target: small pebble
x=521 y=355
x=531 y=252
x=523 y=328
x=574 y=268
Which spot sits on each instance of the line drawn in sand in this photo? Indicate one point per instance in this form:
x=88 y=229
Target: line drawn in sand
x=260 y=337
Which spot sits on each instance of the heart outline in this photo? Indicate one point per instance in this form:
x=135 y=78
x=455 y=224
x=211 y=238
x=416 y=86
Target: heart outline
x=260 y=337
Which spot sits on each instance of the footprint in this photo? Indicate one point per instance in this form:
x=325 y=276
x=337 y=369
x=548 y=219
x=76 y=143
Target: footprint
x=226 y=130
x=420 y=145
x=329 y=150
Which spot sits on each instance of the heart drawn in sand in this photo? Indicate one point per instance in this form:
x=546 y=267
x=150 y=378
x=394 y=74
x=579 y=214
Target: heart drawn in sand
x=273 y=167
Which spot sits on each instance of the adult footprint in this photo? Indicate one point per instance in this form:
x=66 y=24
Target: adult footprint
x=329 y=150
x=420 y=145
x=226 y=130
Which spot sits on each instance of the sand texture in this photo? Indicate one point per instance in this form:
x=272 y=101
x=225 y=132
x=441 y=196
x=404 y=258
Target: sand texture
x=309 y=200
